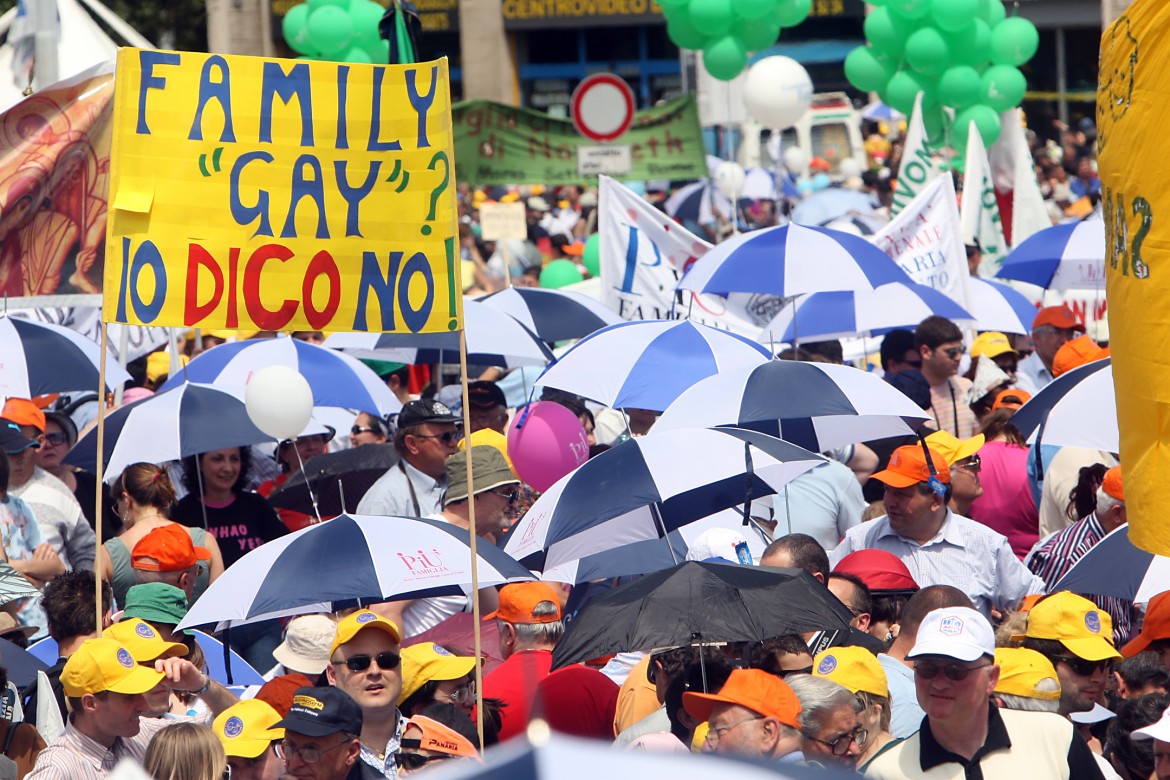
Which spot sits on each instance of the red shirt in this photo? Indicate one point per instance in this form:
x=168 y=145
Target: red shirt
x=514 y=682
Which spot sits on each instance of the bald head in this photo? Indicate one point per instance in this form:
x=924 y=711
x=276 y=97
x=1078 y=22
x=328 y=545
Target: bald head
x=919 y=606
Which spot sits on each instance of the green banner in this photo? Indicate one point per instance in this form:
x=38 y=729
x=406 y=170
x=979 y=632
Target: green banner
x=498 y=144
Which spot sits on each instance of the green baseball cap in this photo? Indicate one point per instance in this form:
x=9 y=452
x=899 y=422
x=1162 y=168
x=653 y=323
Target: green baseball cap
x=383 y=368
x=156 y=602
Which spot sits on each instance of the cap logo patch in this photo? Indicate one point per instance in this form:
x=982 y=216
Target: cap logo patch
x=827 y=665
x=438 y=408
x=1093 y=622
x=951 y=626
x=144 y=631
x=125 y=658
x=309 y=702
x=366 y=617
x=234 y=727
x=440 y=650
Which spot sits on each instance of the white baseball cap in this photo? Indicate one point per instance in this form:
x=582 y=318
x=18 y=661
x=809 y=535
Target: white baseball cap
x=1159 y=730
x=954 y=632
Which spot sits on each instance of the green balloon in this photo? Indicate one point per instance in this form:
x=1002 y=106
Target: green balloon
x=756 y=34
x=960 y=87
x=927 y=51
x=992 y=12
x=986 y=121
x=591 y=257
x=887 y=32
x=953 y=15
x=866 y=71
x=1014 y=41
x=378 y=52
x=330 y=29
x=1003 y=87
x=365 y=15
x=910 y=9
x=357 y=54
x=713 y=17
x=725 y=58
x=970 y=46
x=292 y=26
x=752 y=9
x=559 y=273
x=902 y=89
x=789 y=13
x=683 y=32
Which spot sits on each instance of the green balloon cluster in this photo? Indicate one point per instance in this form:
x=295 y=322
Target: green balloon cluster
x=961 y=54
x=726 y=30
x=336 y=31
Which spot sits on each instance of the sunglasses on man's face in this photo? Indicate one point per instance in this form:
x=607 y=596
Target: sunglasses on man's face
x=359 y=663
x=928 y=670
x=1081 y=667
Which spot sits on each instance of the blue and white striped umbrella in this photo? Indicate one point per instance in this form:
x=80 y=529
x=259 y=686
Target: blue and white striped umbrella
x=37 y=358
x=1077 y=409
x=845 y=314
x=792 y=260
x=818 y=406
x=336 y=379
x=1070 y=256
x=1116 y=567
x=646 y=364
x=644 y=488
x=999 y=307
x=553 y=315
x=349 y=561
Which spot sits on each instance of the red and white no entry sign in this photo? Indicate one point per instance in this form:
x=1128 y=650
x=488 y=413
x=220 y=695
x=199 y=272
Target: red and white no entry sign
x=603 y=107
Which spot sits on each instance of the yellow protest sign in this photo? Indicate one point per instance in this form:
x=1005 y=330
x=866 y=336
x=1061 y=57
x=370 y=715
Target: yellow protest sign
x=1133 y=111
x=251 y=193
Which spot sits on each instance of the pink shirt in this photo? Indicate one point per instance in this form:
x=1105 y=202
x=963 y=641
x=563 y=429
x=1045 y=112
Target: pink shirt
x=1007 y=505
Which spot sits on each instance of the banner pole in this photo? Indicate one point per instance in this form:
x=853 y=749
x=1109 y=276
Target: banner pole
x=475 y=610
x=101 y=451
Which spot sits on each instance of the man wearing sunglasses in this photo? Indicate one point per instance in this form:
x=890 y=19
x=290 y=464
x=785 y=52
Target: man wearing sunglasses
x=940 y=344
x=364 y=662
x=955 y=674
x=1053 y=327
x=321 y=737
x=427 y=435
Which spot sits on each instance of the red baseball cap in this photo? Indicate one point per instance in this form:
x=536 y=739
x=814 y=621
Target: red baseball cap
x=167 y=549
x=908 y=467
x=1058 y=317
x=878 y=569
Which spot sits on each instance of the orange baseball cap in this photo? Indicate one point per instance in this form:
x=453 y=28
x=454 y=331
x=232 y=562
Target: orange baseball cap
x=1155 y=626
x=1075 y=353
x=439 y=738
x=1058 y=317
x=168 y=548
x=1112 y=483
x=754 y=689
x=519 y=600
x=1012 y=398
x=24 y=412
x=908 y=467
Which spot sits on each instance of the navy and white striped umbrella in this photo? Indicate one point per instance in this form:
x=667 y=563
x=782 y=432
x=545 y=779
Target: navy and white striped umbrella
x=645 y=364
x=646 y=487
x=336 y=379
x=1077 y=409
x=999 y=307
x=1069 y=256
x=1116 y=567
x=851 y=313
x=493 y=339
x=349 y=561
x=792 y=260
x=553 y=315
x=37 y=358
x=818 y=406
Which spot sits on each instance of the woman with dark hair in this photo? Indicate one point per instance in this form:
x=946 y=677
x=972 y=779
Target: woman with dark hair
x=1006 y=504
x=216 y=500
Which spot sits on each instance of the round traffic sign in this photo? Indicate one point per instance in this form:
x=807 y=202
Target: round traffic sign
x=602 y=107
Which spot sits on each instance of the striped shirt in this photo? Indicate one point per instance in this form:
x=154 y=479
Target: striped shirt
x=950 y=410
x=1058 y=553
x=387 y=764
x=74 y=756
x=965 y=554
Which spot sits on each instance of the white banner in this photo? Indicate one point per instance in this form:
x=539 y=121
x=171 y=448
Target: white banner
x=979 y=213
x=927 y=242
x=1013 y=171
x=644 y=253
x=919 y=166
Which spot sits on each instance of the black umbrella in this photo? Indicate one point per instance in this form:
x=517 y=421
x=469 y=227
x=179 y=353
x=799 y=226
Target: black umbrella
x=22 y=665
x=355 y=470
x=701 y=602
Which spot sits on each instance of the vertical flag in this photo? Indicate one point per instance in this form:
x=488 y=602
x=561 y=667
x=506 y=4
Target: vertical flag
x=979 y=213
x=919 y=164
x=1013 y=172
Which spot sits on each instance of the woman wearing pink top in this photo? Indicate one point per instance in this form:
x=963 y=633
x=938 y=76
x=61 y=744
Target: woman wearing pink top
x=1006 y=505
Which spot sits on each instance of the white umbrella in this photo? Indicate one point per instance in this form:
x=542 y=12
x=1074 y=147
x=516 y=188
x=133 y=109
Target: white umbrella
x=998 y=307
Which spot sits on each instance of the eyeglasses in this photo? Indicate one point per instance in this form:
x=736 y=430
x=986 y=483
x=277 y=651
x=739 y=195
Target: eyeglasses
x=56 y=439
x=359 y=663
x=840 y=745
x=953 y=352
x=413 y=761
x=227 y=772
x=1081 y=667
x=973 y=463
x=461 y=695
x=286 y=750
x=360 y=429
x=954 y=672
x=447 y=437
x=511 y=495
x=782 y=673
x=716 y=734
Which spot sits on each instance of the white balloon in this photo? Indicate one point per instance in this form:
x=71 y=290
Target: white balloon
x=795 y=159
x=849 y=168
x=777 y=92
x=279 y=401
x=729 y=179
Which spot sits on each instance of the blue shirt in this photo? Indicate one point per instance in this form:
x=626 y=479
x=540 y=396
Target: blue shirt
x=905 y=714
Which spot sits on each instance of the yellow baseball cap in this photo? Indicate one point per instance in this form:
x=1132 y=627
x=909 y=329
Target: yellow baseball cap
x=427 y=661
x=105 y=665
x=1021 y=670
x=853 y=667
x=143 y=642
x=245 y=728
x=953 y=448
x=991 y=344
x=349 y=627
x=1076 y=623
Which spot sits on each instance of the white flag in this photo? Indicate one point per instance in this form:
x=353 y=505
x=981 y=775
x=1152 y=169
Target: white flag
x=644 y=253
x=1013 y=171
x=979 y=213
x=919 y=165
x=927 y=241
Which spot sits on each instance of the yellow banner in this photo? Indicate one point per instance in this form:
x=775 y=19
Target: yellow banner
x=250 y=193
x=1133 y=112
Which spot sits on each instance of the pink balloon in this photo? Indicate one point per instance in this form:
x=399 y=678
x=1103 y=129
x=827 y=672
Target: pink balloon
x=545 y=443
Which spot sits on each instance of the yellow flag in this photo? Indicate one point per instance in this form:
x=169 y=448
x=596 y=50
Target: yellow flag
x=1133 y=112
